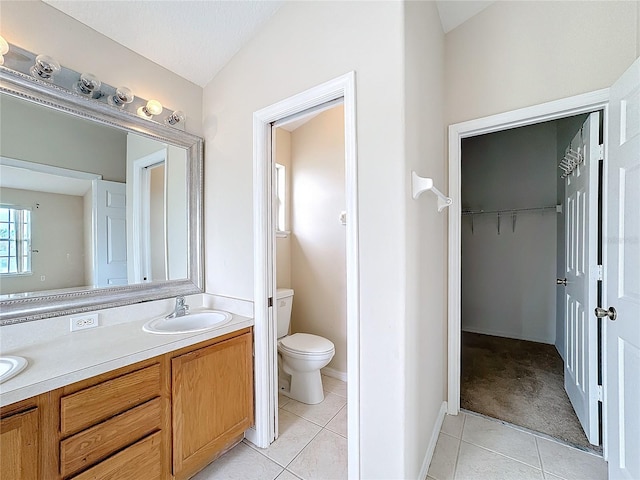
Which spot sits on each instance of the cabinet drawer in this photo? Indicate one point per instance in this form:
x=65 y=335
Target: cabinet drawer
x=90 y=446
x=100 y=402
x=139 y=461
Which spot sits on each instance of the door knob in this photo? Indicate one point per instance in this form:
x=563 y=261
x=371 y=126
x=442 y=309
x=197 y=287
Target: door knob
x=611 y=313
x=561 y=281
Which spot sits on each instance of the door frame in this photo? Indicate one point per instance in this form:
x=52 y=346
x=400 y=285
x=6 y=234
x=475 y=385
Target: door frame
x=575 y=105
x=265 y=336
x=140 y=255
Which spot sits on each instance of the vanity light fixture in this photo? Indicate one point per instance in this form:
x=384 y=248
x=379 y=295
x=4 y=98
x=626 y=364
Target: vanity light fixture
x=45 y=67
x=175 y=118
x=4 y=49
x=88 y=85
x=153 y=107
x=122 y=96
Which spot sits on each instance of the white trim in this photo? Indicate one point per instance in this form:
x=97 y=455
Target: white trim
x=264 y=333
x=42 y=168
x=140 y=208
x=557 y=109
x=333 y=373
x=432 y=441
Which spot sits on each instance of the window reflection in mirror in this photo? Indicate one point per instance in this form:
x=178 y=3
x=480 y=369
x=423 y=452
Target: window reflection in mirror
x=107 y=207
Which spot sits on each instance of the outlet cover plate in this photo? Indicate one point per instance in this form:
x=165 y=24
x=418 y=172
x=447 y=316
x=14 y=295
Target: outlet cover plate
x=82 y=322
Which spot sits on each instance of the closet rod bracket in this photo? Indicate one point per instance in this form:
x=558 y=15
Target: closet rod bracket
x=422 y=184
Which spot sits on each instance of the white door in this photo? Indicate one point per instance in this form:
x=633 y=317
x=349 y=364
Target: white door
x=622 y=278
x=581 y=329
x=111 y=234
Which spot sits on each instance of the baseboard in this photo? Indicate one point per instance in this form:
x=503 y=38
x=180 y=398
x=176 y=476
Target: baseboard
x=516 y=336
x=432 y=441
x=333 y=373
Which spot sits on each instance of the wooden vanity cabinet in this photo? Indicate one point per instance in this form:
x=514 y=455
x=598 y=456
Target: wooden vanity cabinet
x=108 y=428
x=212 y=402
x=19 y=452
x=190 y=405
x=27 y=439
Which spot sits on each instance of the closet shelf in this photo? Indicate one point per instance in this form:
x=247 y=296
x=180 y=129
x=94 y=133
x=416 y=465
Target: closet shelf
x=513 y=213
x=557 y=208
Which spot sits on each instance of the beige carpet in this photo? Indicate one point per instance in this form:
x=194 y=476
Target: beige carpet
x=521 y=383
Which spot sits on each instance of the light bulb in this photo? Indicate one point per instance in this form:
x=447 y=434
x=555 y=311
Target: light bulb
x=4 y=49
x=45 y=67
x=175 y=118
x=87 y=85
x=153 y=107
x=122 y=96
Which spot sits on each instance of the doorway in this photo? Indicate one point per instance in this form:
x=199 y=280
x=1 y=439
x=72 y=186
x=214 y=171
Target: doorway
x=513 y=249
x=581 y=104
x=265 y=371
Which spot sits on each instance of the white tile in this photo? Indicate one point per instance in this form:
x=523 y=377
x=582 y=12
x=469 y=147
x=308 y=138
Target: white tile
x=287 y=475
x=475 y=463
x=501 y=439
x=324 y=458
x=282 y=400
x=294 y=434
x=338 y=424
x=452 y=425
x=241 y=463
x=548 y=476
x=570 y=463
x=333 y=385
x=320 y=413
x=443 y=462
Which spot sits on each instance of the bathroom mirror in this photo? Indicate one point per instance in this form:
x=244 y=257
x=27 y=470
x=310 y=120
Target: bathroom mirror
x=98 y=207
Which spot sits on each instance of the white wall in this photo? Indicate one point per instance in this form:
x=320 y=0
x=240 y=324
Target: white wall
x=157 y=227
x=318 y=239
x=520 y=53
x=58 y=238
x=38 y=134
x=282 y=147
x=176 y=212
x=424 y=265
x=40 y=28
x=305 y=44
x=508 y=279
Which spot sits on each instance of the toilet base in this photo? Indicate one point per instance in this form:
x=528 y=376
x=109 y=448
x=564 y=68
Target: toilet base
x=305 y=387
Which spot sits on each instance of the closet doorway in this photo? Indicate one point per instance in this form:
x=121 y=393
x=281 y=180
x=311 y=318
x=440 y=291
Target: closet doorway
x=517 y=354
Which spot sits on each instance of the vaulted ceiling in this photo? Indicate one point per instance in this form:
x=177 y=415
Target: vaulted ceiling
x=195 y=39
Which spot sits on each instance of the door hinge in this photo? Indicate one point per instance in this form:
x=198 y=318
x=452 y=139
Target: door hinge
x=600 y=392
x=597 y=273
x=601 y=152
x=270 y=302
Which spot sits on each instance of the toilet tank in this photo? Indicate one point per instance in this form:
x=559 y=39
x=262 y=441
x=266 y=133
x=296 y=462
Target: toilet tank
x=284 y=301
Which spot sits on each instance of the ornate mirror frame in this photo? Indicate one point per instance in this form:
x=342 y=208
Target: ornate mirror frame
x=40 y=305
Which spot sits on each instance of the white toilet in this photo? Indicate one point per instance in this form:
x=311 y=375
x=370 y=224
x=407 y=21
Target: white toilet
x=301 y=355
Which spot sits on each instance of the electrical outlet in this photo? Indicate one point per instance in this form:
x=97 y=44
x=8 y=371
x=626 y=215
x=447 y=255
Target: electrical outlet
x=82 y=322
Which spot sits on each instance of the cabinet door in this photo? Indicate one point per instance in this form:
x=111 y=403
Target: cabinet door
x=19 y=446
x=212 y=390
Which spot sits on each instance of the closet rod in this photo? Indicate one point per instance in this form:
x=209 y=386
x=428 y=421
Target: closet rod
x=511 y=211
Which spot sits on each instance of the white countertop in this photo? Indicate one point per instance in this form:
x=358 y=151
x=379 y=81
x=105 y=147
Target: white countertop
x=58 y=357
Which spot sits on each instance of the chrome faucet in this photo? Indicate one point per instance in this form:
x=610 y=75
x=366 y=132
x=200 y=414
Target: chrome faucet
x=181 y=309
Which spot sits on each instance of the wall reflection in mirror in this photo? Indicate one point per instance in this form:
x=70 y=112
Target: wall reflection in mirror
x=83 y=204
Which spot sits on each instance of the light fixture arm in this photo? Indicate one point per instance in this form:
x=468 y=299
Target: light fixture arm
x=422 y=184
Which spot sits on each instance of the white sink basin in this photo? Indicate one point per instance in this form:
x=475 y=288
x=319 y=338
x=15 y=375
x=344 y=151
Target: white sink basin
x=190 y=323
x=10 y=366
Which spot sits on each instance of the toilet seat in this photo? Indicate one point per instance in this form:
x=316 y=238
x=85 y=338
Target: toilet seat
x=306 y=344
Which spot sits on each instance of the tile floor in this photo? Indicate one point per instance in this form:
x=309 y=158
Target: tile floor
x=474 y=447
x=312 y=444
